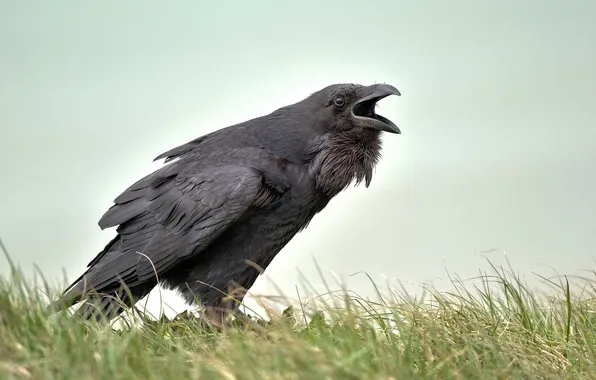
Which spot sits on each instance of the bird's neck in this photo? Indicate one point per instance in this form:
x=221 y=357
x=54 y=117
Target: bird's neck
x=345 y=157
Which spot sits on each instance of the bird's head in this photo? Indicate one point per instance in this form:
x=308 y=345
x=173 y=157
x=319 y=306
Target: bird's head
x=343 y=107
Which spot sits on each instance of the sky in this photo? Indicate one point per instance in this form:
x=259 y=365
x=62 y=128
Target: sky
x=498 y=116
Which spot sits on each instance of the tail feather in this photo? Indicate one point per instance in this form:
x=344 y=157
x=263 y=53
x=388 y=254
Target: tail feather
x=99 y=300
x=102 y=306
x=105 y=306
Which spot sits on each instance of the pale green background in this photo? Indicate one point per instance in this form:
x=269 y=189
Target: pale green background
x=498 y=115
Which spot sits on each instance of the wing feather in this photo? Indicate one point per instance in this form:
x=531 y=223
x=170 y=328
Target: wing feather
x=165 y=219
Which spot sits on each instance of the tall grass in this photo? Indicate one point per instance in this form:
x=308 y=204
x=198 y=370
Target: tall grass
x=496 y=329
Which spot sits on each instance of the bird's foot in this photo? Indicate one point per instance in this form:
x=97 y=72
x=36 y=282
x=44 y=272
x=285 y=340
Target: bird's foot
x=219 y=317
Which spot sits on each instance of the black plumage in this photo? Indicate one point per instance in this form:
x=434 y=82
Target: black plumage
x=230 y=198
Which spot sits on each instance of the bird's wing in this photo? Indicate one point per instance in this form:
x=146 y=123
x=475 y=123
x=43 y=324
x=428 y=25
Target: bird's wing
x=165 y=220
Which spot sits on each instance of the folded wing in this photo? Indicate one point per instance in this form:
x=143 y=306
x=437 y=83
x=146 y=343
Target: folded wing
x=166 y=218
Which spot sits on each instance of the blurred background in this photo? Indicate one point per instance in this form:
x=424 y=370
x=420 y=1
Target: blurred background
x=496 y=159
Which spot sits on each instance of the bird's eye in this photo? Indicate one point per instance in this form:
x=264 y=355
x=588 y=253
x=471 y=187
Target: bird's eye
x=339 y=101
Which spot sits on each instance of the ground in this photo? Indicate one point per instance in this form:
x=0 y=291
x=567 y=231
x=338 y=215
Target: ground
x=498 y=330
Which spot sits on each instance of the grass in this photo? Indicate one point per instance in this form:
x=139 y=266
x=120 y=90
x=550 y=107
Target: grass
x=496 y=329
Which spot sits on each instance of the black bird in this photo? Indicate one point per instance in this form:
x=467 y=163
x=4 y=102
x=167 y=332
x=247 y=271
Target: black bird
x=231 y=199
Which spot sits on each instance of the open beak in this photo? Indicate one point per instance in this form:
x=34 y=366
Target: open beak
x=364 y=108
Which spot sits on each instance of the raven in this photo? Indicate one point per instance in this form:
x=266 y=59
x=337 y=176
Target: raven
x=227 y=202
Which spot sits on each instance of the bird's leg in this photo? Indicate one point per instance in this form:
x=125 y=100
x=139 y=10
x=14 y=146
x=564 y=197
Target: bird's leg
x=229 y=304
x=247 y=321
x=217 y=316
